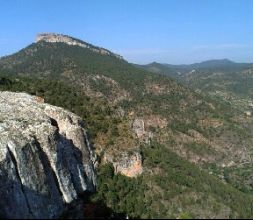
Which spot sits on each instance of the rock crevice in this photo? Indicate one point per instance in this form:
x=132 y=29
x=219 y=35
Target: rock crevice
x=13 y=159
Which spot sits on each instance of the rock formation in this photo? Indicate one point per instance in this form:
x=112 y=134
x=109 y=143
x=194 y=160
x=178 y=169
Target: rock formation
x=46 y=159
x=128 y=163
x=139 y=128
x=141 y=133
x=60 y=38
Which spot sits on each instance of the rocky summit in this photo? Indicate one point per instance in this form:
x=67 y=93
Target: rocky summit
x=46 y=159
x=60 y=38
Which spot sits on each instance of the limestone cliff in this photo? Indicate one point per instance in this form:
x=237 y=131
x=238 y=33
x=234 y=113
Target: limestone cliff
x=46 y=159
x=60 y=38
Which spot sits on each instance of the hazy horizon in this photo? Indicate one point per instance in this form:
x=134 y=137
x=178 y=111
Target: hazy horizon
x=144 y=31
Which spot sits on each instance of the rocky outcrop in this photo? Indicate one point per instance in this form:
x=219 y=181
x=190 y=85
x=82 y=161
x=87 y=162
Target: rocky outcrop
x=46 y=159
x=128 y=163
x=144 y=128
x=141 y=133
x=60 y=38
x=139 y=127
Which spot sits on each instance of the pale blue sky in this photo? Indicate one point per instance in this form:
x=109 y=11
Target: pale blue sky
x=170 y=31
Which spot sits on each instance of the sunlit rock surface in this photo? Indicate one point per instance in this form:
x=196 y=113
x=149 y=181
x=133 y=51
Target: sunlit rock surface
x=46 y=159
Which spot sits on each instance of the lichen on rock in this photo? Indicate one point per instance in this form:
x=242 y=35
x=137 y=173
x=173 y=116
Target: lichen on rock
x=46 y=159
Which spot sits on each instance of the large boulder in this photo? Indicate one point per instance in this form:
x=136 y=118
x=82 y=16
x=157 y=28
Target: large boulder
x=46 y=159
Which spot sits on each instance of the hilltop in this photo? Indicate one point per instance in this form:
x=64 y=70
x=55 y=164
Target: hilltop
x=60 y=38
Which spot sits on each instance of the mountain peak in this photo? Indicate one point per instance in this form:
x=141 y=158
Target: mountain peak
x=61 y=38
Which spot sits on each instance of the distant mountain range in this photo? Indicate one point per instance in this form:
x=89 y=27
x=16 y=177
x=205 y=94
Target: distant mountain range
x=225 y=79
x=212 y=64
x=224 y=65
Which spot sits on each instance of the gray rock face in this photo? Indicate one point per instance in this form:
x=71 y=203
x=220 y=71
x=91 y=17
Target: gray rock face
x=46 y=159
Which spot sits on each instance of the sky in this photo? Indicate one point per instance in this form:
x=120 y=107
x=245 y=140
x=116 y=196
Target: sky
x=143 y=31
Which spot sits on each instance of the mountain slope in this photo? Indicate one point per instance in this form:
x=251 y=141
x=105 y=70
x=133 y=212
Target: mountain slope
x=127 y=108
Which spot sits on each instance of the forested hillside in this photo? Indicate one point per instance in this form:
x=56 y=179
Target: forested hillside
x=195 y=150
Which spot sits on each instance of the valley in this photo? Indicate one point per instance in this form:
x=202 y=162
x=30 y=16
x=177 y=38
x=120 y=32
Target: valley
x=171 y=141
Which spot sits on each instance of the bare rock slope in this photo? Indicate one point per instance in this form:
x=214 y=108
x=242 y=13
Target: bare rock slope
x=46 y=160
